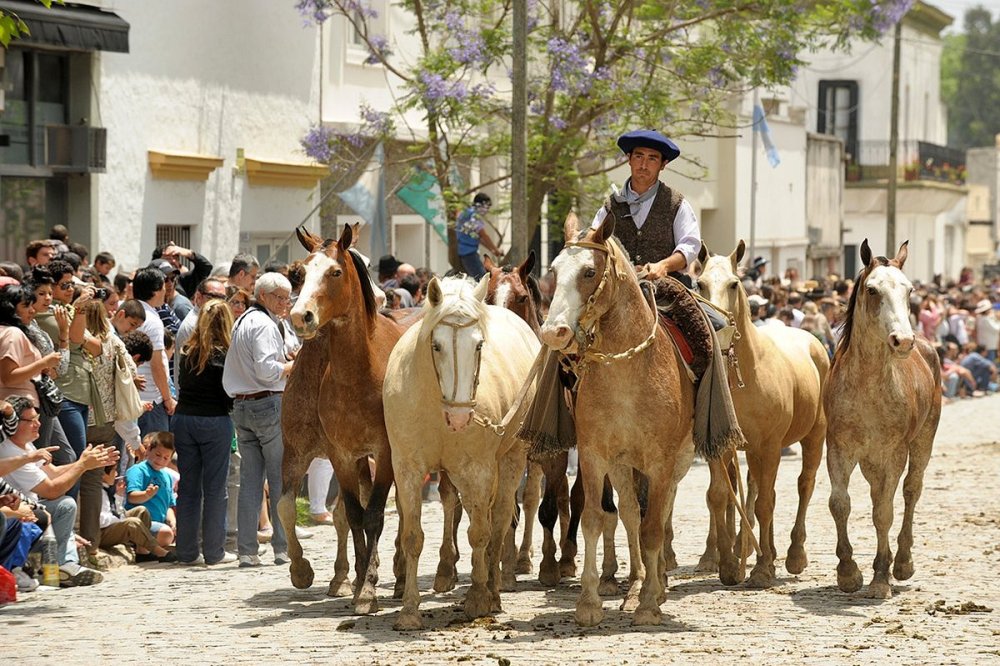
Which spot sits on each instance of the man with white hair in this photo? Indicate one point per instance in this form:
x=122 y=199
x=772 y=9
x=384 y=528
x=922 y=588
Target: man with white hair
x=254 y=376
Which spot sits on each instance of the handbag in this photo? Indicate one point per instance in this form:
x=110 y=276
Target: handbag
x=50 y=396
x=128 y=404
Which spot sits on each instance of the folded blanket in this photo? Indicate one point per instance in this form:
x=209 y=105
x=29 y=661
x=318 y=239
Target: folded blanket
x=549 y=427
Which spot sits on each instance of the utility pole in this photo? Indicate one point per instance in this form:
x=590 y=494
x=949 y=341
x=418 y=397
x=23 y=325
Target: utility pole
x=519 y=241
x=753 y=176
x=890 y=204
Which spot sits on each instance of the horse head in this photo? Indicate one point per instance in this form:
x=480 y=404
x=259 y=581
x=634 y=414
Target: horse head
x=511 y=288
x=454 y=328
x=719 y=282
x=881 y=299
x=581 y=271
x=334 y=285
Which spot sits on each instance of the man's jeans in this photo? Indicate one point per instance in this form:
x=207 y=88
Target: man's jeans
x=473 y=265
x=203 y=445
x=258 y=429
x=73 y=418
x=63 y=512
x=155 y=420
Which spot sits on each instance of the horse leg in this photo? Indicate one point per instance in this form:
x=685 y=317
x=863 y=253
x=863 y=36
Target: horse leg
x=566 y=567
x=512 y=466
x=720 y=504
x=609 y=564
x=340 y=586
x=812 y=453
x=408 y=486
x=548 y=512
x=508 y=547
x=366 y=601
x=588 y=606
x=883 y=476
x=920 y=454
x=349 y=484
x=628 y=509
x=653 y=591
x=840 y=466
x=764 y=467
x=532 y=497
x=447 y=576
x=709 y=560
x=292 y=470
x=567 y=558
x=476 y=500
x=681 y=468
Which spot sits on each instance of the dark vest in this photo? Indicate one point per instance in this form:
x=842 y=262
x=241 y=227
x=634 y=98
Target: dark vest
x=655 y=241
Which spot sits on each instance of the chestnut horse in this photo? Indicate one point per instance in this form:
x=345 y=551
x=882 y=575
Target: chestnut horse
x=783 y=371
x=476 y=358
x=883 y=402
x=338 y=291
x=635 y=404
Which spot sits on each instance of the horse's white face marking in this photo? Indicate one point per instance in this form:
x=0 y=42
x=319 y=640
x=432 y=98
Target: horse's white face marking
x=559 y=328
x=504 y=294
x=718 y=284
x=457 y=353
x=305 y=315
x=892 y=290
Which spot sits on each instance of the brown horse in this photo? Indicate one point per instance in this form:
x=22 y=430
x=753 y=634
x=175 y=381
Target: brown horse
x=783 y=371
x=337 y=290
x=883 y=402
x=635 y=405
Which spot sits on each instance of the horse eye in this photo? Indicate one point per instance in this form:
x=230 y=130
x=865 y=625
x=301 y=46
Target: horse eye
x=338 y=272
x=734 y=285
x=872 y=291
x=589 y=273
x=479 y=346
x=521 y=299
x=435 y=346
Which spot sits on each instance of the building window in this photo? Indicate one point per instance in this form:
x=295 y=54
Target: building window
x=838 y=114
x=29 y=207
x=37 y=95
x=178 y=234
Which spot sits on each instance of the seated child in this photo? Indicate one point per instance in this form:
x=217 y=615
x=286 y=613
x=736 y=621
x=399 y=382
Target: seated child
x=149 y=485
x=131 y=529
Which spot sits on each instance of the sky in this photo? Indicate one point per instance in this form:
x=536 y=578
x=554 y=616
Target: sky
x=957 y=8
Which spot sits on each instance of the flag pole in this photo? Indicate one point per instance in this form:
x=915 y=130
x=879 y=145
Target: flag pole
x=753 y=177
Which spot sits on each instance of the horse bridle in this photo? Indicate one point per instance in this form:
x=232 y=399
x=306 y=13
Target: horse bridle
x=445 y=400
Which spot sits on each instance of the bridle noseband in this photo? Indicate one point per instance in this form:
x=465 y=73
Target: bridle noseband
x=445 y=400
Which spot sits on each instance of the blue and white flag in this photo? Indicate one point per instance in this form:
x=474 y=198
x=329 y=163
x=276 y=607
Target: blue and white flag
x=760 y=125
x=367 y=198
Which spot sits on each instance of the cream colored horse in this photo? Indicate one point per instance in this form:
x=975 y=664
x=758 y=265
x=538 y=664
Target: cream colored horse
x=884 y=402
x=461 y=367
x=784 y=370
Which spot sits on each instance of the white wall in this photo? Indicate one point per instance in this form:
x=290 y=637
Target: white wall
x=205 y=78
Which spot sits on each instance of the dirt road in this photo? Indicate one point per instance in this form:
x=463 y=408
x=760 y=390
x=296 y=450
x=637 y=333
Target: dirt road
x=221 y=615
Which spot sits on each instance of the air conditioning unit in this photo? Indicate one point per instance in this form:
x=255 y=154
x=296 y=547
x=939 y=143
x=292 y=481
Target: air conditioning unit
x=75 y=148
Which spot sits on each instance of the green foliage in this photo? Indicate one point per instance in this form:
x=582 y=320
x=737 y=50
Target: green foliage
x=970 y=83
x=11 y=25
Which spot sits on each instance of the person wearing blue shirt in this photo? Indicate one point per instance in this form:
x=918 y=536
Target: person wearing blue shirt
x=149 y=485
x=470 y=230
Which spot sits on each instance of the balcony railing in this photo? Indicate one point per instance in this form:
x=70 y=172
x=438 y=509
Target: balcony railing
x=75 y=149
x=915 y=160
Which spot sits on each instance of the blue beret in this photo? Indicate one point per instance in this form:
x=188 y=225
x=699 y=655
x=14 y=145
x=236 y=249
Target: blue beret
x=649 y=139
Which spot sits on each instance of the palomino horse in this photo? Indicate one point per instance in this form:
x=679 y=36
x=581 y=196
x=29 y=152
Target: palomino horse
x=476 y=357
x=883 y=402
x=634 y=406
x=513 y=288
x=337 y=290
x=780 y=402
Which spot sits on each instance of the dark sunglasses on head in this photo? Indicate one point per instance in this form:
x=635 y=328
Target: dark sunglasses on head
x=65 y=285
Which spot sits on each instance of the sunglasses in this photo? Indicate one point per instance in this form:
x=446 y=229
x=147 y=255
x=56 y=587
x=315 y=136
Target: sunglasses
x=65 y=285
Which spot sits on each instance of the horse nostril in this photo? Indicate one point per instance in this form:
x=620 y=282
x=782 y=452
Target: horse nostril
x=562 y=332
x=893 y=340
x=307 y=317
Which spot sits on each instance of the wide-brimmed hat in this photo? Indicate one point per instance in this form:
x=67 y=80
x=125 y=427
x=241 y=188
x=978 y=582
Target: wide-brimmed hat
x=388 y=264
x=756 y=300
x=984 y=306
x=649 y=139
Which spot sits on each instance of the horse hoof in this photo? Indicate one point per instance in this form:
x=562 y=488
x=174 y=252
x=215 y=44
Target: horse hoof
x=548 y=574
x=878 y=590
x=670 y=563
x=567 y=569
x=608 y=587
x=508 y=584
x=339 y=588
x=646 y=617
x=589 y=616
x=708 y=564
x=524 y=565
x=477 y=604
x=302 y=574
x=760 y=579
x=445 y=582
x=397 y=589
x=406 y=621
x=796 y=560
x=366 y=603
x=730 y=573
x=849 y=579
x=630 y=603
x=902 y=570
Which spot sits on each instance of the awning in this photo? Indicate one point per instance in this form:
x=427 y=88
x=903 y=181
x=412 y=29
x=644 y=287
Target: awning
x=71 y=26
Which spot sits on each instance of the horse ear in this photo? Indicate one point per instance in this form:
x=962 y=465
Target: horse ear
x=866 y=253
x=355 y=234
x=524 y=270
x=434 y=294
x=703 y=253
x=344 y=244
x=607 y=228
x=309 y=240
x=482 y=288
x=741 y=251
x=570 y=227
x=902 y=254
x=488 y=262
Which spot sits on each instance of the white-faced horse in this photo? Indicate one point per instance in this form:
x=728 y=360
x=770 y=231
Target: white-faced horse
x=883 y=403
x=450 y=378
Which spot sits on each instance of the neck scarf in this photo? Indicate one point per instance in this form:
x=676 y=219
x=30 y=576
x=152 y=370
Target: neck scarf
x=634 y=200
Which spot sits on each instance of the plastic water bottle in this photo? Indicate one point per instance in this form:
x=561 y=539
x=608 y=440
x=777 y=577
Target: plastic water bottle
x=50 y=558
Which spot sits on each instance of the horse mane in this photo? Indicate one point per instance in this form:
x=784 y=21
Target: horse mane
x=848 y=325
x=367 y=293
x=466 y=306
x=536 y=296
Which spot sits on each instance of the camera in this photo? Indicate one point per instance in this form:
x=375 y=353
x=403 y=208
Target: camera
x=101 y=293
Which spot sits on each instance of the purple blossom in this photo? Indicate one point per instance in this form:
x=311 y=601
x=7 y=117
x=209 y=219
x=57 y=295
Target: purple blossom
x=318 y=143
x=436 y=89
x=315 y=12
x=470 y=47
x=557 y=122
x=570 y=67
x=378 y=49
x=887 y=14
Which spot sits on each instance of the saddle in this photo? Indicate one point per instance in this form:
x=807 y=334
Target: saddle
x=682 y=320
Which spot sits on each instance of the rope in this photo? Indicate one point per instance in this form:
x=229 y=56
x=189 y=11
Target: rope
x=745 y=521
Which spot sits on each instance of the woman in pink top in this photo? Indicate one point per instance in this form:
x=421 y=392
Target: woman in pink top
x=20 y=361
x=930 y=317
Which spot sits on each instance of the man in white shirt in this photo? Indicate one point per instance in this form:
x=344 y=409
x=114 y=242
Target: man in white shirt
x=254 y=375
x=148 y=287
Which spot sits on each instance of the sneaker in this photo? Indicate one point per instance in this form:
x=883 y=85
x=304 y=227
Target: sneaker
x=77 y=576
x=264 y=535
x=191 y=563
x=25 y=583
x=247 y=561
x=301 y=533
x=281 y=558
x=227 y=557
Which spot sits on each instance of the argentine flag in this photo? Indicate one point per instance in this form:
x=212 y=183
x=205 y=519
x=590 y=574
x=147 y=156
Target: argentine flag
x=367 y=198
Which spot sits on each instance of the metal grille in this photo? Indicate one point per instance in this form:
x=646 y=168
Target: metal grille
x=180 y=234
